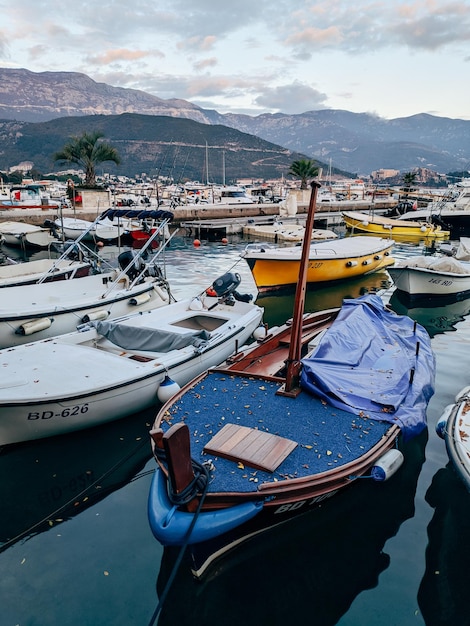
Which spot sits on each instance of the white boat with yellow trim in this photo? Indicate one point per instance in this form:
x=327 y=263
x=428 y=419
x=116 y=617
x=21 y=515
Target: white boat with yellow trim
x=339 y=259
x=390 y=227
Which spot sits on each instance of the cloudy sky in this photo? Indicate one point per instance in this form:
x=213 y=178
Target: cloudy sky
x=392 y=58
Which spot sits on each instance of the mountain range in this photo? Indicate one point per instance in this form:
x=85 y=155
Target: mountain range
x=353 y=142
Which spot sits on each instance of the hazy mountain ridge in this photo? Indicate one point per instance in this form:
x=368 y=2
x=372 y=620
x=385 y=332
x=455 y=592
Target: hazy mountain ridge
x=39 y=97
x=152 y=144
x=355 y=142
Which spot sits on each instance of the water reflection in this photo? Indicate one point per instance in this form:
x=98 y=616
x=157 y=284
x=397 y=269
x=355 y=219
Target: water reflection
x=57 y=478
x=443 y=593
x=314 y=565
x=436 y=319
x=279 y=307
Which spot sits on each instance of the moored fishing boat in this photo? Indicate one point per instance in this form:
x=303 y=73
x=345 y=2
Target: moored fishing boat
x=100 y=230
x=318 y=403
x=119 y=367
x=276 y=268
x=432 y=278
x=444 y=277
x=454 y=427
x=32 y=196
x=390 y=227
x=47 y=309
x=27 y=235
x=30 y=272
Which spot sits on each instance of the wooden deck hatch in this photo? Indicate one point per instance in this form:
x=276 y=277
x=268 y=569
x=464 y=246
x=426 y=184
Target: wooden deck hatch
x=252 y=447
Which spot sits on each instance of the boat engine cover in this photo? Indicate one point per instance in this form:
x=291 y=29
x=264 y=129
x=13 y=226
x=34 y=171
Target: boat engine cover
x=126 y=258
x=227 y=283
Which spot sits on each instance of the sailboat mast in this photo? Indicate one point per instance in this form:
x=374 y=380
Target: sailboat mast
x=291 y=386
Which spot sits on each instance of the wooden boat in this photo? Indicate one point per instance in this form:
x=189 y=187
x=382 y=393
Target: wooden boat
x=273 y=434
x=107 y=370
x=390 y=227
x=454 y=427
x=47 y=309
x=277 y=268
x=432 y=278
x=27 y=235
x=324 y=559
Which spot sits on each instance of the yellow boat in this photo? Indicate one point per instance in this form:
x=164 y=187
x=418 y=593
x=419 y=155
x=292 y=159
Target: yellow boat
x=390 y=227
x=339 y=259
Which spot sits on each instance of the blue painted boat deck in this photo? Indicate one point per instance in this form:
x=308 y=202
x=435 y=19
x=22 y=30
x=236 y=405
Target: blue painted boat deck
x=327 y=437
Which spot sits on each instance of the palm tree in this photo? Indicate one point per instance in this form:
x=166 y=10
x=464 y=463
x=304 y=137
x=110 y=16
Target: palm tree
x=408 y=180
x=303 y=169
x=88 y=151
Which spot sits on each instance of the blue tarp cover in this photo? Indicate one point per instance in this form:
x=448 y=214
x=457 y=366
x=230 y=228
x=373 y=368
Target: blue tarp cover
x=366 y=360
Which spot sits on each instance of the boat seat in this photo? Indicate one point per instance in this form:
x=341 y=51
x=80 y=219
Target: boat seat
x=250 y=446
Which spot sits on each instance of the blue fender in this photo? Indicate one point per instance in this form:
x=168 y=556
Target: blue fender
x=170 y=526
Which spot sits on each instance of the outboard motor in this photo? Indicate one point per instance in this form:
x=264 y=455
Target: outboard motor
x=53 y=228
x=437 y=221
x=226 y=284
x=225 y=287
x=129 y=258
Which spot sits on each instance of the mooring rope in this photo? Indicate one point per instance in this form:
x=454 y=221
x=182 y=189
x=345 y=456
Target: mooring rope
x=199 y=484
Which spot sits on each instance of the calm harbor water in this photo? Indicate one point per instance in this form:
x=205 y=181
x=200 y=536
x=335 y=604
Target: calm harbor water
x=76 y=548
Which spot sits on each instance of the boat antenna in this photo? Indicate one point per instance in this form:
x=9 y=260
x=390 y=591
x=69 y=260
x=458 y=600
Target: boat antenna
x=291 y=386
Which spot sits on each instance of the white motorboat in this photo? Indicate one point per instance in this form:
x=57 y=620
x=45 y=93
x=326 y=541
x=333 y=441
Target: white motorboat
x=108 y=370
x=99 y=230
x=434 y=277
x=33 y=196
x=26 y=235
x=54 y=308
x=39 y=270
x=451 y=212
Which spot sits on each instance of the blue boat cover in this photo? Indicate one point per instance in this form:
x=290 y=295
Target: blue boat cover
x=368 y=362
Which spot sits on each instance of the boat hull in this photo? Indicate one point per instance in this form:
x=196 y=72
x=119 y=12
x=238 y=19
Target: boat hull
x=388 y=227
x=328 y=262
x=456 y=433
x=89 y=231
x=259 y=520
x=421 y=284
x=231 y=519
x=31 y=272
x=58 y=307
x=26 y=235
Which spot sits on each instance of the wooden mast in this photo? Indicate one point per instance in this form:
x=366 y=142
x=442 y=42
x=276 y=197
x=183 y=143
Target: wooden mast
x=291 y=386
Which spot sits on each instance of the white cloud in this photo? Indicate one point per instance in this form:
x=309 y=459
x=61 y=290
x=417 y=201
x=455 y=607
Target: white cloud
x=263 y=56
